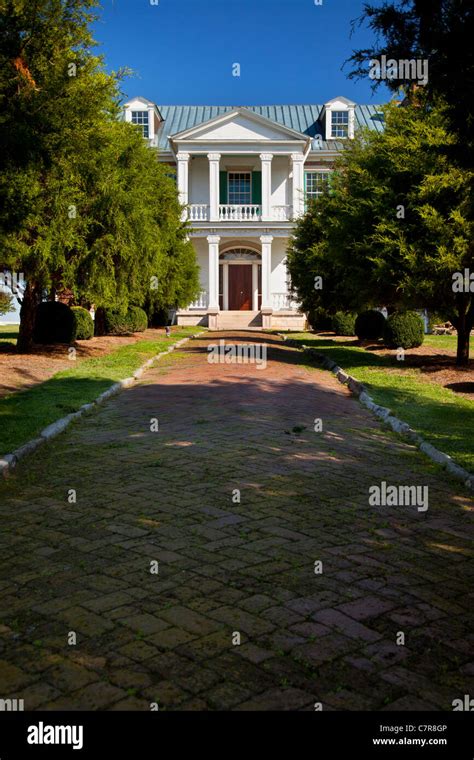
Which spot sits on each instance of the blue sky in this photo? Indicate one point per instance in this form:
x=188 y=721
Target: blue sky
x=183 y=51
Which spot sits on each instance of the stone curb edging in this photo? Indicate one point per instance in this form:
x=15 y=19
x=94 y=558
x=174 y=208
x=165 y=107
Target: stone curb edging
x=9 y=461
x=398 y=426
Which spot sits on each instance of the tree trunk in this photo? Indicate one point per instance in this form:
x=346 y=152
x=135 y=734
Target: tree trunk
x=27 y=318
x=462 y=355
x=463 y=321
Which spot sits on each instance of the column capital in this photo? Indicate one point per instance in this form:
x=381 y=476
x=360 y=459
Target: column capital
x=213 y=238
x=182 y=156
x=266 y=156
x=214 y=156
x=266 y=238
x=297 y=157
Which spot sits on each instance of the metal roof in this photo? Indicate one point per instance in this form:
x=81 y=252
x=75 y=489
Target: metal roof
x=302 y=118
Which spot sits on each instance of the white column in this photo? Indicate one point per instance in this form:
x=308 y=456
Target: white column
x=266 y=241
x=151 y=123
x=214 y=159
x=297 y=160
x=225 y=286
x=266 y=161
x=254 y=287
x=213 y=241
x=183 y=179
x=127 y=113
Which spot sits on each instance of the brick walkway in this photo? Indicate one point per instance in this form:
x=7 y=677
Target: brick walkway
x=227 y=567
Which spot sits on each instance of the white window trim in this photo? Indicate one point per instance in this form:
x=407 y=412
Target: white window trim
x=351 y=121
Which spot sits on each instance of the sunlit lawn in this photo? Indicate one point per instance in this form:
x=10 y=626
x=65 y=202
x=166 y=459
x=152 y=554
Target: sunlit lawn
x=24 y=414
x=443 y=417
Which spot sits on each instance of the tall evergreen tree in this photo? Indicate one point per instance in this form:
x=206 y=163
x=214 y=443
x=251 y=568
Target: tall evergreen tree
x=394 y=227
x=78 y=187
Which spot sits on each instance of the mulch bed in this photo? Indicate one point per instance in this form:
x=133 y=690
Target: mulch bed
x=21 y=371
x=436 y=365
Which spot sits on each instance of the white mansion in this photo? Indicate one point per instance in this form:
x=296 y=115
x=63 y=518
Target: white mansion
x=244 y=174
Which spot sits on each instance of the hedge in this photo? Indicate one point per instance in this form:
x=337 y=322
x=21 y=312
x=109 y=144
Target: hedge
x=118 y=322
x=54 y=323
x=83 y=324
x=343 y=323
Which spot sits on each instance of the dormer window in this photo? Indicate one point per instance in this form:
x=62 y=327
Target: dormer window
x=338 y=119
x=339 y=124
x=141 y=119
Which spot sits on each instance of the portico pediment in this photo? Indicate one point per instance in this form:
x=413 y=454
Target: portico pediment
x=240 y=125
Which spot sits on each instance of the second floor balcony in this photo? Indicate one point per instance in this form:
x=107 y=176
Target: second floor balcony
x=233 y=212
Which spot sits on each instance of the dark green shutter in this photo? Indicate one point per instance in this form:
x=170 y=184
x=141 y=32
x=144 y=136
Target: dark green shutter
x=257 y=188
x=222 y=187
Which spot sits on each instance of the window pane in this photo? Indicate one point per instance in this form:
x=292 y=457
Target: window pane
x=315 y=184
x=141 y=118
x=239 y=188
x=340 y=123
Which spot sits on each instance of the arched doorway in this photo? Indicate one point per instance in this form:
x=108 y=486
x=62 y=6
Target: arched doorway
x=240 y=277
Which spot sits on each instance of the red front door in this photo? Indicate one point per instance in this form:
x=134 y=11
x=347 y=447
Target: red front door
x=240 y=287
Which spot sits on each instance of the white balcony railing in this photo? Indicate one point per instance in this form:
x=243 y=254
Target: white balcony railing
x=248 y=213
x=281 y=213
x=200 y=302
x=283 y=301
x=198 y=212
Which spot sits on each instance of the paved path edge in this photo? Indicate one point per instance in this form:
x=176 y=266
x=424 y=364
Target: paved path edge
x=359 y=390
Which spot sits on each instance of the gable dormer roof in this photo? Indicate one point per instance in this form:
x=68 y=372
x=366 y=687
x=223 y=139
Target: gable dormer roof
x=303 y=119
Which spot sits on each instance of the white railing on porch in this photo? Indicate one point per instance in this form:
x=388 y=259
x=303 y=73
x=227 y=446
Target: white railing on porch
x=200 y=302
x=281 y=213
x=234 y=213
x=283 y=301
x=198 y=212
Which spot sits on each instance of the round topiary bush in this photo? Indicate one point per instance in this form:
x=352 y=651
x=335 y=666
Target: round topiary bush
x=343 y=323
x=370 y=325
x=138 y=318
x=404 y=330
x=54 y=323
x=83 y=328
x=117 y=322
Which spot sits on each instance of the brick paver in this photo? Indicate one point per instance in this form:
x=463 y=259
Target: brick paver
x=230 y=568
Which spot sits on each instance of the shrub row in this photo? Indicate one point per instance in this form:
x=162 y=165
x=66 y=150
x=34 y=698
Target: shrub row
x=57 y=323
x=400 y=330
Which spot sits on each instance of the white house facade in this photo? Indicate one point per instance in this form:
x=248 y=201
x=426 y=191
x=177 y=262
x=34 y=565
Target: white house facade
x=244 y=175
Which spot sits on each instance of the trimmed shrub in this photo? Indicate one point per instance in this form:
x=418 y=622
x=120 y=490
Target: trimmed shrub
x=343 y=323
x=319 y=319
x=404 y=330
x=83 y=328
x=138 y=318
x=54 y=323
x=370 y=325
x=117 y=322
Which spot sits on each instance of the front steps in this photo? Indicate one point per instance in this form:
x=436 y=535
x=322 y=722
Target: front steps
x=242 y=320
x=238 y=320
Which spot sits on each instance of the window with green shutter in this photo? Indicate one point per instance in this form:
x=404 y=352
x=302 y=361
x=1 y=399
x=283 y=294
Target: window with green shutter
x=257 y=188
x=222 y=188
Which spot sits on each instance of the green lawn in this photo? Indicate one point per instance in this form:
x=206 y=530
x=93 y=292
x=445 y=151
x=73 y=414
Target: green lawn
x=444 y=418
x=441 y=341
x=24 y=414
x=8 y=333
